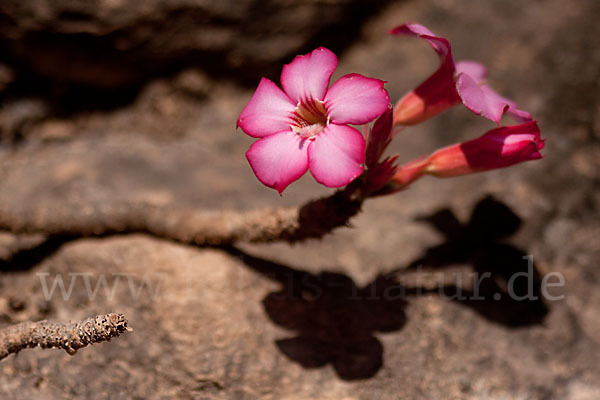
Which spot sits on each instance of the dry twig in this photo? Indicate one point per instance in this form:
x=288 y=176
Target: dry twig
x=67 y=336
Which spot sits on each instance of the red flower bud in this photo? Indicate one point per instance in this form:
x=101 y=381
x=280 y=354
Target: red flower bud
x=498 y=148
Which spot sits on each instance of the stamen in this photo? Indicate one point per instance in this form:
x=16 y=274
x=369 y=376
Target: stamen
x=310 y=118
x=311 y=131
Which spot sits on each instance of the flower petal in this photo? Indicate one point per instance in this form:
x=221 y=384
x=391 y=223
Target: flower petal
x=307 y=77
x=269 y=111
x=474 y=98
x=356 y=99
x=520 y=116
x=475 y=70
x=336 y=155
x=484 y=101
x=279 y=159
x=440 y=45
x=512 y=110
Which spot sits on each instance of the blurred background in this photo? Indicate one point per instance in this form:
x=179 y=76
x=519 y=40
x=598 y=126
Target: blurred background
x=111 y=101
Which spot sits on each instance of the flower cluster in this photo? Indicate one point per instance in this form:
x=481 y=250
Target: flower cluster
x=305 y=126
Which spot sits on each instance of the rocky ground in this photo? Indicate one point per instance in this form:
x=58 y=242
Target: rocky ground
x=108 y=102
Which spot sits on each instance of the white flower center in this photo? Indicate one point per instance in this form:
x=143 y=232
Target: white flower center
x=310 y=118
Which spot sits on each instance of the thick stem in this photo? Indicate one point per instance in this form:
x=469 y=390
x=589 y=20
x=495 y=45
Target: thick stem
x=313 y=220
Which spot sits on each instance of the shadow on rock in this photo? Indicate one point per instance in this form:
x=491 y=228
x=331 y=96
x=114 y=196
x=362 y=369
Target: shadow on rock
x=334 y=319
x=506 y=285
x=82 y=56
x=27 y=258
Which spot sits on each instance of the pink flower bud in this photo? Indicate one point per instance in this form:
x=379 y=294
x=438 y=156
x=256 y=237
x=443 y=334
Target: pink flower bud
x=498 y=148
x=452 y=83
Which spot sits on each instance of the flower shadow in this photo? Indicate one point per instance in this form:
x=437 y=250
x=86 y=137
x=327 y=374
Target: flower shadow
x=507 y=285
x=334 y=319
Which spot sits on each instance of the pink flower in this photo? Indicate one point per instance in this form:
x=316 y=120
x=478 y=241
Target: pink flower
x=498 y=148
x=305 y=126
x=449 y=85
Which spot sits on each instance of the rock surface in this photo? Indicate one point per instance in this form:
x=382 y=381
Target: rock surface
x=111 y=43
x=358 y=315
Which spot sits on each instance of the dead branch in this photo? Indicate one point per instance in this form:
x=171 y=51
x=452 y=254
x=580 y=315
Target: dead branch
x=312 y=220
x=67 y=336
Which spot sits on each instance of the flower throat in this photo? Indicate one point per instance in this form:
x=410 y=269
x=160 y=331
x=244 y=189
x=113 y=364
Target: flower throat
x=310 y=118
